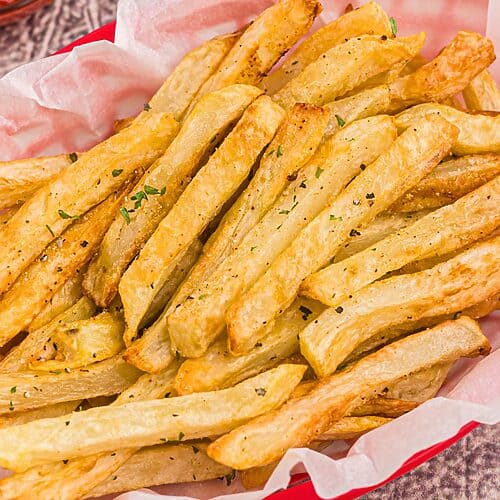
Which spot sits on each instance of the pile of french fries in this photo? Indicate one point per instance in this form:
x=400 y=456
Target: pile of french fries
x=257 y=261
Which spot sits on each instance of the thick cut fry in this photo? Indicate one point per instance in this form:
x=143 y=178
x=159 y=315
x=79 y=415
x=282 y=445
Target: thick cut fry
x=58 y=262
x=438 y=233
x=214 y=184
x=413 y=155
x=447 y=74
x=301 y=420
x=449 y=181
x=353 y=427
x=219 y=369
x=194 y=69
x=153 y=422
x=31 y=348
x=172 y=172
x=346 y=66
x=482 y=93
x=23 y=417
x=265 y=40
x=19 y=179
x=106 y=378
x=84 y=342
x=54 y=206
x=196 y=323
x=369 y=19
x=67 y=296
x=478 y=133
x=462 y=281
x=166 y=464
x=77 y=477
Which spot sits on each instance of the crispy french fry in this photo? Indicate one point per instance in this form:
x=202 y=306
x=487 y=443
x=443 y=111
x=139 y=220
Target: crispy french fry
x=218 y=369
x=75 y=478
x=25 y=391
x=438 y=233
x=196 y=323
x=19 y=179
x=346 y=66
x=265 y=40
x=63 y=257
x=369 y=19
x=84 y=342
x=382 y=406
x=482 y=93
x=171 y=173
x=32 y=346
x=67 y=296
x=449 y=181
x=147 y=423
x=413 y=155
x=353 y=427
x=478 y=133
x=462 y=281
x=447 y=74
x=165 y=464
x=216 y=181
x=299 y=421
x=54 y=206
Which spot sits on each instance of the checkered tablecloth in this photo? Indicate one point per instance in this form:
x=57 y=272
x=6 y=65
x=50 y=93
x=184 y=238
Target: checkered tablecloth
x=469 y=470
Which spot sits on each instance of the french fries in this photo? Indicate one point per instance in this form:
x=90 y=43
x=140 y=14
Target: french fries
x=482 y=94
x=60 y=260
x=462 y=281
x=436 y=234
x=413 y=155
x=260 y=46
x=346 y=66
x=164 y=464
x=301 y=420
x=25 y=391
x=369 y=19
x=382 y=406
x=170 y=176
x=199 y=203
x=19 y=179
x=449 y=181
x=84 y=342
x=353 y=427
x=197 y=322
x=153 y=422
x=478 y=133
x=54 y=206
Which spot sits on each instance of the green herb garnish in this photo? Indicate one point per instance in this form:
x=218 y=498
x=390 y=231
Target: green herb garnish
x=279 y=152
x=116 y=172
x=333 y=217
x=318 y=173
x=65 y=215
x=394 y=27
x=340 y=121
x=124 y=213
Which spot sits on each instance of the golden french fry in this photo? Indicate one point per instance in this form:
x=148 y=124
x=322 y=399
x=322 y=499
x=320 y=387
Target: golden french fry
x=218 y=369
x=382 y=406
x=25 y=391
x=449 y=181
x=148 y=423
x=32 y=347
x=58 y=262
x=84 y=342
x=53 y=207
x=447 y=74
x=478 y=133
x=438 y=233
x=203 y=198
x=299 y=421
x=369 y=19
x=19 y=179
x=67 y=296
x=462 y=281
x=346 y=66
x=167 y=178
x=165 y=464
x=413 y=155
x=196 y=323
x=482 y=93
x=265 y=40
x=119 y=125
x=352 y=427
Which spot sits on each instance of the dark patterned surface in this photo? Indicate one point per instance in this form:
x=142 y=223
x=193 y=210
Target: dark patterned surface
x=469 y=470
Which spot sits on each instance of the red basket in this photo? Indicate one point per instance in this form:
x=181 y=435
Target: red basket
x=300 y=485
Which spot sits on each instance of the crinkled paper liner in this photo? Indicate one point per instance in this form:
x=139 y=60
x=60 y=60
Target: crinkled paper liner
x=68 y=102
